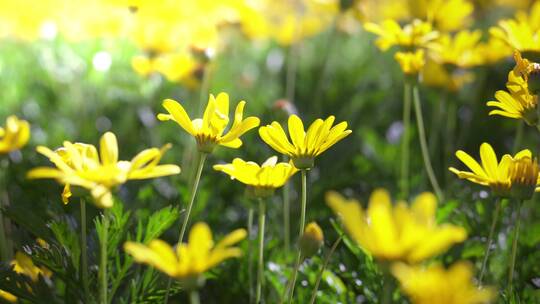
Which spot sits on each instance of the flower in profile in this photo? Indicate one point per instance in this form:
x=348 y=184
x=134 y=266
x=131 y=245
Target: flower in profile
x=417 y=34
x=79 y=164
x=188 y=262
x=501 y=177
x=400 y=233
x=261 y=180
x=435 y=284
x=14 y=135
x=312 y=240
x=208 y=131
x=305 y=146
x=411 y=63
x=521 y=100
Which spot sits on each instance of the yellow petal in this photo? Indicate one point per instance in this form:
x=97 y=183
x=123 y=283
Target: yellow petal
x=108 y=146
x=489 y=160
x=297 y=133
x=179 y=115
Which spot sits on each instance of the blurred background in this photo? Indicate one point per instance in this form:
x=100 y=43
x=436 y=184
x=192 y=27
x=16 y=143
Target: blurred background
x=76 y=69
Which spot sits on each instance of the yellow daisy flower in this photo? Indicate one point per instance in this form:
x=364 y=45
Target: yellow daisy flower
x=400 y=233
x=417 y=34
x=460 y=50
x=208 y=131
x=80 y=165
x=521 y=33
x=511 y=172
x=261 y=180
x=411 y=63
x=15 y=134
x=188 y=262
x=305 y=146
x=23 y=264
x=435 y=284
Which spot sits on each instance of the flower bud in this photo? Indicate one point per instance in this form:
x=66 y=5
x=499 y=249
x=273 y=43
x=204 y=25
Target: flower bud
x=311 y=240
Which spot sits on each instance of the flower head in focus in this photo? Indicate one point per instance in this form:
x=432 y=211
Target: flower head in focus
x=305 y=145
x=79 y=164
x=502 y=177
x=188 y=262
x=209 y=131
x=400 y=233
x=411 y=63
x=261 y=180
x=435 y=284
x=415 y=35
x=14 y=135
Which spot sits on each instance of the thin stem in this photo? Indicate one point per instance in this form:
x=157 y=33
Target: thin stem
x=490 y=238
x=518 y=138
x=405 y=140
x=325 y=264
x=304 y=203
x=260 y=263
x=423 y=144
x=514 y=249
x=202 y=158
x=194 y=297
x=386 y=295
x=292 y=281
x=286 y=213
x=84 y=255
x=103 y=257
x=3 y=240
x=250 y=255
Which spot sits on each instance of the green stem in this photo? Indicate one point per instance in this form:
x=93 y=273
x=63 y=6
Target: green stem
x=325 y=264
x=304 y=203
x=250 y=255
x=518 y=138
x=292 y=281
x=84 y=255
x=3 y=241
x=490 y=238
x=202 y=158
x=194 y=297
x=286 y=215
x=423 y=144
x=405 y=141
x=514 y=249
x=260 y=262
x=103 y=257
x=386 y=295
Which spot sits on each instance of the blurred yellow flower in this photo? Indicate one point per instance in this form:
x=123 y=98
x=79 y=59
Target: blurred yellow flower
x=8 y=296
x=188 y=262
x=417 y=34
x=411 y=63
x=435 y=284
x=448 y=15
x=79 y=164
x=23 y=264
x=262 y=180
x=436 y=75
x=14 y=135
x=286 y=21
x=400 y=233
x=493 y=50
x=499 y=176
x=521 y=33
x=312 y=240
x=208 y=131
x=305 y=146
x=460 y=50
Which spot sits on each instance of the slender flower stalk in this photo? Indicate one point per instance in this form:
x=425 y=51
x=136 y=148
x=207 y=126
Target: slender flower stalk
x=512 y=265
x=260 y=262
x=194 y=297
x=289 y=291
x=250 y=255
x=195 y=187
x=405 y=141
x=494 y=221
x=287 y=216
x=103 y=286
x=387 y=288
x=323 y=268
x=84 y=254
x=423 y=144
